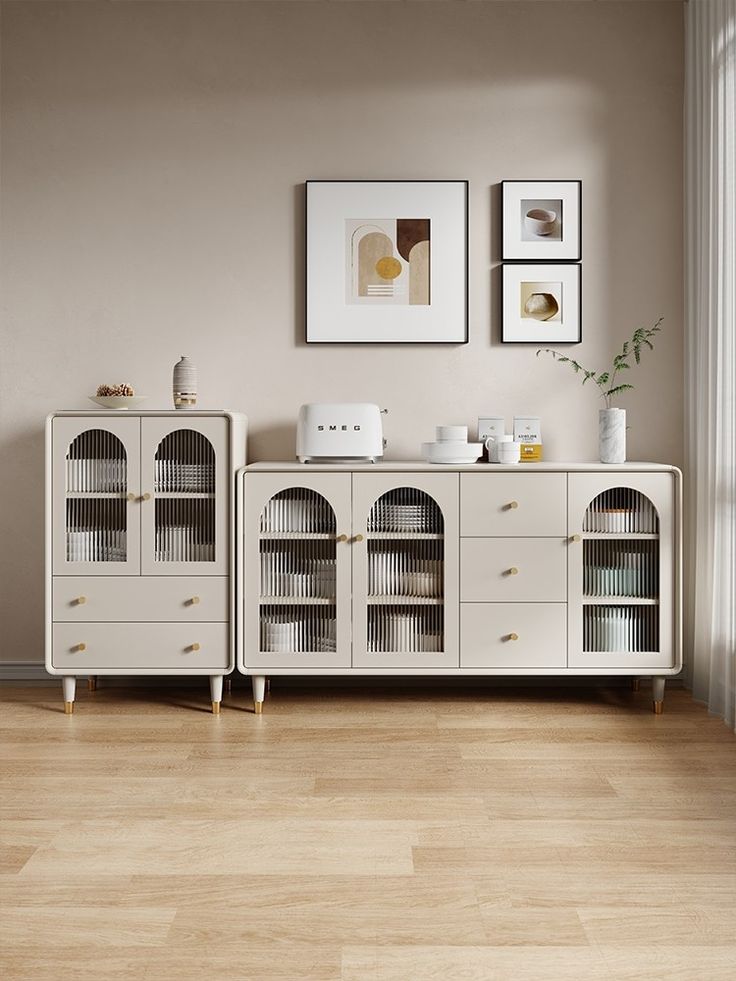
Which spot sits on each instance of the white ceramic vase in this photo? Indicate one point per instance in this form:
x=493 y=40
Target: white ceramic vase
x=612 y=435
x=185 y=384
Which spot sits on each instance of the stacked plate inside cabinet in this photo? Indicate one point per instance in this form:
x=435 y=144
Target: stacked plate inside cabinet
x=452 y=447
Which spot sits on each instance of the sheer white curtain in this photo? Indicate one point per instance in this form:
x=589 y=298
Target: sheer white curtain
x=710 y=353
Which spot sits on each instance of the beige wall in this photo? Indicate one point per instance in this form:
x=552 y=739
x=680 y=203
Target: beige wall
x=153 y=156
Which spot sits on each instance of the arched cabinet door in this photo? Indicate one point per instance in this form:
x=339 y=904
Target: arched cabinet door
x=185 y=495
x=297 y=574
x=96 y=482
x=405 y=570
x=621 y=570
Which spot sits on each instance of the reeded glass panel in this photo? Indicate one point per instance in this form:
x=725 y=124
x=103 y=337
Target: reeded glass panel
x=621 y=573
x=96 y=507
x=405 y=573
x=298 y=569
x=184 y=486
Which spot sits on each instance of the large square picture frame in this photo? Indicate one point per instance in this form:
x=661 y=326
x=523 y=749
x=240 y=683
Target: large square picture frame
x=542 y=221
x=387 y=262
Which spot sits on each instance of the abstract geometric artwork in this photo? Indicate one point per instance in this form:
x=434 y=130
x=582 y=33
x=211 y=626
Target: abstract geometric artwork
x=396 y=279
x=388 y=260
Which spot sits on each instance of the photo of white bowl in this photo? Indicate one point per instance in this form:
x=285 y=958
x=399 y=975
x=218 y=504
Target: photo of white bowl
x=540 y=221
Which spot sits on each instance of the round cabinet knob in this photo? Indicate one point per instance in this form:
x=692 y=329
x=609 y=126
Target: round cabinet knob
x=80 y=647
x=146 y=497
x=512 y=636
x=357 y=538
x=512 y=505
x=80 y=600
x=131 y=496
x=341 y=538
x=194 y=600
x=513 y=571
x=576 y=538
x=194 y=647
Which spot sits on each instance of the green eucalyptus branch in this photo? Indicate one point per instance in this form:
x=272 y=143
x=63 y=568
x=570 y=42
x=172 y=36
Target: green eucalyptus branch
x=608 y=384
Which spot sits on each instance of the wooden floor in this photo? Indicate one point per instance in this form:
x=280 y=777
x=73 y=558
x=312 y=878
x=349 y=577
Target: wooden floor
x=413 y=830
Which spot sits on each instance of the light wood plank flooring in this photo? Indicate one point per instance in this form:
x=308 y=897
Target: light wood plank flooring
x=404 y=831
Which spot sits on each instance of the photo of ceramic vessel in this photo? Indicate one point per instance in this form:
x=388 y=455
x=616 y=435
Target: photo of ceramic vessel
x=541 y=306
x=540 y=221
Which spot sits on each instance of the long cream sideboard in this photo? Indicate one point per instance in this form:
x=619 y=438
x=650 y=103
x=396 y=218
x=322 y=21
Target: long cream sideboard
x=140 y=513
x=406 y=568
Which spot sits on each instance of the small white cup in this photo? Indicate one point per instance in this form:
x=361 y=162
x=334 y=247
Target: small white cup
x=502 y=449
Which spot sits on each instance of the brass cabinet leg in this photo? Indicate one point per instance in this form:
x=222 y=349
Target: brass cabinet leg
x=259 y=691
x=216 y=692
x=635 y=684
x=92 y=683
x=69 y=684
x=658 y=695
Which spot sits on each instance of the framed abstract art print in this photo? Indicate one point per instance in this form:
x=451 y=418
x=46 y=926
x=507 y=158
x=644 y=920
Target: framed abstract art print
x=387 y=262
x=542 y=221
x=542 y=304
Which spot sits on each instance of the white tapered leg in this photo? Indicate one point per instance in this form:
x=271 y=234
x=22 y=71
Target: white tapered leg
x=216 y=692
x=658 y=695
x=69 y=685
x=259 y=691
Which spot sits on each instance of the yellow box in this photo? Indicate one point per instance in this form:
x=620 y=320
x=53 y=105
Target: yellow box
x=530 y=453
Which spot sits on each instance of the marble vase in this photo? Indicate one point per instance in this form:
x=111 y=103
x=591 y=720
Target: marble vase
x=612 y=435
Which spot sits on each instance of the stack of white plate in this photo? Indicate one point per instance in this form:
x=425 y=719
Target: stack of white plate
x=452 y=447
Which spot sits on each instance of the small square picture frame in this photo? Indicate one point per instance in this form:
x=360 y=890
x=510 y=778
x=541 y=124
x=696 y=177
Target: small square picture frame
x=542 y=221
x=542 y=303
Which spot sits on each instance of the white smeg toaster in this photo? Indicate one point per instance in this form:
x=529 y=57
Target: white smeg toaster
x=339 y=431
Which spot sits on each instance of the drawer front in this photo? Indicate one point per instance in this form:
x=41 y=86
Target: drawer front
x=513 y=570
x=533 y=504
x=513 y=635
x=144 y=646
x=163 y=599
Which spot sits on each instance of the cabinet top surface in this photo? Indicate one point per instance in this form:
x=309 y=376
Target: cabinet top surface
x=122 y=413
x=414 y=466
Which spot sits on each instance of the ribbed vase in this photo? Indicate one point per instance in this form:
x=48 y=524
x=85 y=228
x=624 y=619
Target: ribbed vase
x=185 y=384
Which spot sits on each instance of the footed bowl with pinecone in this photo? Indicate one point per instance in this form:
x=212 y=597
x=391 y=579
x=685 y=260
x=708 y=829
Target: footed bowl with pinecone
x=120 y=396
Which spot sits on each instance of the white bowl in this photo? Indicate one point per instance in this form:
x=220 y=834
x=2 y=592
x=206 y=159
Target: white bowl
x=540 y=221
x=118 y=401
x=451 y=434
x=452 y=453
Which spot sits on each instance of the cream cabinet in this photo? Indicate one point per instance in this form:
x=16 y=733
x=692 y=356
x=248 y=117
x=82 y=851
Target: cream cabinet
x=140 y=515
x=406 y=568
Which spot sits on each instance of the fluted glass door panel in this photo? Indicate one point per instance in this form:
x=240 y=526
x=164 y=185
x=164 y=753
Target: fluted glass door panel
x=186 y=496
x=620 y=571
x=298 y=571
x=96 y=480
x=405 y=578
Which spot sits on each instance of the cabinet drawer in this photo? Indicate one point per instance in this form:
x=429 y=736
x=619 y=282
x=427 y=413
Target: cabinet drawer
x=150 y=598
x=487 y=632
x=532 y=504
x=149 y=646
x=506 y=570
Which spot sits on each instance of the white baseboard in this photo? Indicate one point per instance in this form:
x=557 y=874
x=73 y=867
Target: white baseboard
x=23 y=671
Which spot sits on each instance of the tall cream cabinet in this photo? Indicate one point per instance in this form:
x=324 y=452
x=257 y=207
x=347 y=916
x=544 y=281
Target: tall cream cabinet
x=406 y=568
x=140 y=511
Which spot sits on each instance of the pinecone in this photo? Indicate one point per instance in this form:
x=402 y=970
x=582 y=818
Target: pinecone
x=115 y=390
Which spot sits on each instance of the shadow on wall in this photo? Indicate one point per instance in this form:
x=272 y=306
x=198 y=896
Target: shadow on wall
x=274 y=442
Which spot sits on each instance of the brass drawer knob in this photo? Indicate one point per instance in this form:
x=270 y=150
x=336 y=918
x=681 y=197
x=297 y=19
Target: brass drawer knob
x=131 y=496
x=80 y=647
x=511 y=637
x=511 y=506
x=193 y=647
x=341 y=538
x=146 y=496
x=576 y=538
x=357 y=538
x=80 y=601
x=193 y=600
x=513 y=571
